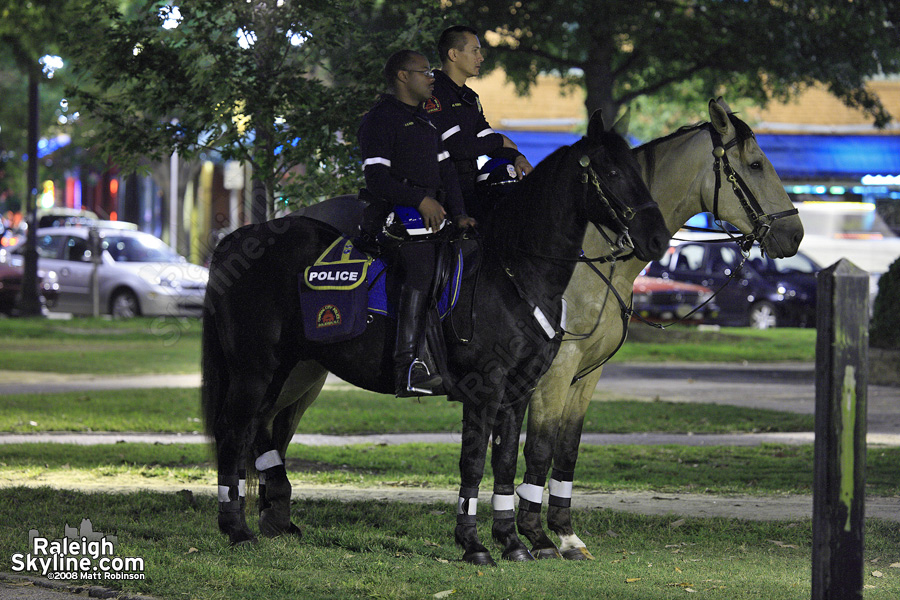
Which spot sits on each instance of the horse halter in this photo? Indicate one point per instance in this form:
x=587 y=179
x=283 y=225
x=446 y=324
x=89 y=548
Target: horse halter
x=760 y=219
x=619 y=212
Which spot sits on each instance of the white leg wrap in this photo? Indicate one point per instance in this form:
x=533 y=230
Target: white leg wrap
x=223 y=493
x=503 y=502
x=530 y=492
x=560 y=489
x=467 y=506
x=242 y=488
x=268 y=460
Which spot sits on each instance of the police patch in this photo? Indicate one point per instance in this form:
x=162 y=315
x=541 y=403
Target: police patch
x=432 y=105
x=328 y=315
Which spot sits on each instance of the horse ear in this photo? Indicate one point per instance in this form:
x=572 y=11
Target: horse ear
x=718 y=116
x=595 y=125
x=621 y=126
x=721 y=101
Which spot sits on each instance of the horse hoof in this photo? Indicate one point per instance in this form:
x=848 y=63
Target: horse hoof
x=479 y=558
x=518 y=555
x=577 y=554
x=545 y=553
x=270 y=527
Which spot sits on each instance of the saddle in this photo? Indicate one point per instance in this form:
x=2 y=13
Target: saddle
x=352 y=280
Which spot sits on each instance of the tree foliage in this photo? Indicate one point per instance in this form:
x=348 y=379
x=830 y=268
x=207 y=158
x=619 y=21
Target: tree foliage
x=28 y=32
x=620 y=51
x=279 y=84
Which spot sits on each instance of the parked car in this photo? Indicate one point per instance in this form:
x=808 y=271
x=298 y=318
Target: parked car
x=138 y=273
x=764 y=293
x=658 y=299
x=11 y=284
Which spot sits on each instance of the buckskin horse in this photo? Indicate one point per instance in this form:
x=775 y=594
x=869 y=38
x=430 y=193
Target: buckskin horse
x=713 y=167
x=260 y=373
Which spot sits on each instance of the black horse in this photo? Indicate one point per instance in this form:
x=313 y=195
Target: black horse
x=260 y=373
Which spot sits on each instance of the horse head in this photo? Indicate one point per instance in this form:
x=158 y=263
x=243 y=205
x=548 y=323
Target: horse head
x=615 y=195
x=756 y=201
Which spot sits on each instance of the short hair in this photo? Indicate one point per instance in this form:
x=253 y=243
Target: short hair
x=396 y=62
x=453 y=37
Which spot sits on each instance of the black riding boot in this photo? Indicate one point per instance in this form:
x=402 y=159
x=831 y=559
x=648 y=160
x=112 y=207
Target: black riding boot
x=412 y=375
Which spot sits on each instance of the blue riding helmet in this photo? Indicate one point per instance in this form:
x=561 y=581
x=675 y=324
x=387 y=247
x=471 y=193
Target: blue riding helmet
x=410 y=219
x=496 y=172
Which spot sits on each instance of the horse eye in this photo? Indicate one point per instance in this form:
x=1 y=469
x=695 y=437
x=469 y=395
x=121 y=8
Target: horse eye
x=613 y=173
x=756 y=165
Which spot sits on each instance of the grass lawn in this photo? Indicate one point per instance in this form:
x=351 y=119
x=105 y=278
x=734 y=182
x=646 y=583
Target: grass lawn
x=169 y=345
x=399 y=551
x=354 y=411
x=767 y=469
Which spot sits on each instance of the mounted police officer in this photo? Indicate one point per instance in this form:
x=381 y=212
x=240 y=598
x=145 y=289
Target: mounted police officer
x=405 y=166
x=457 y=112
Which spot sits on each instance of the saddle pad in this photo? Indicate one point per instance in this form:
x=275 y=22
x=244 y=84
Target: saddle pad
x=332 y=297
x=341 y=267
x=378 y=298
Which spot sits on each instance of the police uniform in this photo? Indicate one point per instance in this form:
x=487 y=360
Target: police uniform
x=457 y=113
x=404 y=161
x=397 y=142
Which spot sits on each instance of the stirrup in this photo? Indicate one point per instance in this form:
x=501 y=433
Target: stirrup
x=423 y=386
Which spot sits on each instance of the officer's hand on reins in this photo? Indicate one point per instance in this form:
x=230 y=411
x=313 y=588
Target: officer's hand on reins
x=433 y=214
x=465 y=222
x=522 y=166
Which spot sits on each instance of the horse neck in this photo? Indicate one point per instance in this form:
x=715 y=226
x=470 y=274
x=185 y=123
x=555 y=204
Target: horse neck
x=538 y=223
x=675 y=170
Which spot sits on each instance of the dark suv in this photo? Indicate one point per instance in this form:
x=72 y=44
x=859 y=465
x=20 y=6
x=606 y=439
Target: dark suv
x=764 y=293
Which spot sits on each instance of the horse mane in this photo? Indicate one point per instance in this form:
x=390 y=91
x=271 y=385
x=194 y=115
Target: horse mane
x=742 y=130
x=514 y=212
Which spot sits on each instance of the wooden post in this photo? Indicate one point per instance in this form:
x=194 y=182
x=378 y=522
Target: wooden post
x=842 y=343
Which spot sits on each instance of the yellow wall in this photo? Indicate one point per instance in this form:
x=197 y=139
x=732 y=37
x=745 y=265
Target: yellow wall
x=814 y=108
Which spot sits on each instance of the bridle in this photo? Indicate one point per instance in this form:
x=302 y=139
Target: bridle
x=619 y=213
x=761 y=220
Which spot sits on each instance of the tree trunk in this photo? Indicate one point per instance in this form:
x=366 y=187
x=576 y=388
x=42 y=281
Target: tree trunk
x=599 y=80
x=29 y=304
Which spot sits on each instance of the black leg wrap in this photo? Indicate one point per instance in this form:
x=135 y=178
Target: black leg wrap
x=559 y=502
x=537 y=480
x=504 y=515
x=275 y=517
x=531 y=507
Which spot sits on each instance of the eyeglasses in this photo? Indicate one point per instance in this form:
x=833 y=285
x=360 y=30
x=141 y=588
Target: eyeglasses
x=427 y=72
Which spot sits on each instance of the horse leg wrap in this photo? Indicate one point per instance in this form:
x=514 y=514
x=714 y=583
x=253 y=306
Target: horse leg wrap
x=559 y=516
x=531 y=495
x=504 y=528
x=264 y=462
x=466 y=533
x=232 y=491
x=275 y=497
x=467 y=506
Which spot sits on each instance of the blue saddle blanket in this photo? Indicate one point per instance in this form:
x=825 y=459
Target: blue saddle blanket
x=334 y=303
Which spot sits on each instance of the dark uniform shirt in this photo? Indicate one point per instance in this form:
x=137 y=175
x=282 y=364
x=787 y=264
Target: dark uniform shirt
x=404 y=159
x=457 y=113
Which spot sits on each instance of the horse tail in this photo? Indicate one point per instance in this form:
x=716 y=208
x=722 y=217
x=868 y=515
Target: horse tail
x=214 y=379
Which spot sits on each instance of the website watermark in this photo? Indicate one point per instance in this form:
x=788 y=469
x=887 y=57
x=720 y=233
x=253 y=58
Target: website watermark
x=80 y=555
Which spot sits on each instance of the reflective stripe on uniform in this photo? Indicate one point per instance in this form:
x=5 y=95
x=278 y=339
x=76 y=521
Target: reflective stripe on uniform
x=484 y=132
x=377 y=161
x=449 y=132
